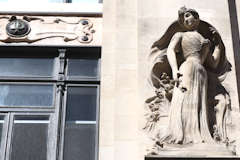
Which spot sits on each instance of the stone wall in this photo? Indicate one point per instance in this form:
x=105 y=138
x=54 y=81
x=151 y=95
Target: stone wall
x=119 y=131
x=129 y=30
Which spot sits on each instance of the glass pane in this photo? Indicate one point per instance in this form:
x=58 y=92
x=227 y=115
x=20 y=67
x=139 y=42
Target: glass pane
x=81 y=103
x=29 y=138
x=28 y=67
x=85 y=68
x=26 y=95
x=85 y=1
x=56 y=1
x=79 y=142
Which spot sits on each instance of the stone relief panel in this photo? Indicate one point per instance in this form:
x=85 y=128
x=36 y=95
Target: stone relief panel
x=50 y=30
x=191 y=111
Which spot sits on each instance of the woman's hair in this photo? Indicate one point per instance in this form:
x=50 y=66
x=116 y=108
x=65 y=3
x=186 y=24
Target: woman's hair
x=183 y=10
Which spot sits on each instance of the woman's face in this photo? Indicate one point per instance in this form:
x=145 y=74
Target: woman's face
x=190 y=22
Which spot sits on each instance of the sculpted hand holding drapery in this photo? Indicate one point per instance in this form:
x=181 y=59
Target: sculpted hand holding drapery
x=191 y=55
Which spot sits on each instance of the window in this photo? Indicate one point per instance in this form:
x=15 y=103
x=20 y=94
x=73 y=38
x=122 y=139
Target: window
x=29 y=139
x=80 y=123
x=49 y=102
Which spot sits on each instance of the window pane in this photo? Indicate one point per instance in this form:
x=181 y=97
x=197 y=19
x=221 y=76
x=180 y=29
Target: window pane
x=85 y=68
x=26 y=95
x=56 y=1
x=79 y=142
x=81 y=103
x=29 y=138
x=28 y=67
x=85 y=1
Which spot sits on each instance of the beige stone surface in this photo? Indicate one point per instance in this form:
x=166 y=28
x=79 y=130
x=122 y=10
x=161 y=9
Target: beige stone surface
x=55 y=30
x=154 y=17
x=119 y=91
x=153 y=23
x=107 y=109
x=129 y=29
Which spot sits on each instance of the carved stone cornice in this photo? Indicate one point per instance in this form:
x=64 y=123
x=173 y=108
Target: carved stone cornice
x=50 y=30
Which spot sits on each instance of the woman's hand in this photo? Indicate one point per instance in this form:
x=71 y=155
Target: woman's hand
x=176 y=75
x=214 y=58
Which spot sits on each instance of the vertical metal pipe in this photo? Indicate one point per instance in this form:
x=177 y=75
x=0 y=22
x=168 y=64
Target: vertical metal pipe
x=236 y=40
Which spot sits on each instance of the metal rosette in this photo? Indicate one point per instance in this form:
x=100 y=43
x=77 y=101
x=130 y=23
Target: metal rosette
x=18 y=28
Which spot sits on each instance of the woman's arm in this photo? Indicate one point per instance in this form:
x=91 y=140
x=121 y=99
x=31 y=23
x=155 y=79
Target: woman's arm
x=171 y=53
x=214 y=58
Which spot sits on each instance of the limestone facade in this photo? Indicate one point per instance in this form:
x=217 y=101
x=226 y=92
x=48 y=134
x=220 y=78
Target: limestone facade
x=132 y=27
x=126 y=32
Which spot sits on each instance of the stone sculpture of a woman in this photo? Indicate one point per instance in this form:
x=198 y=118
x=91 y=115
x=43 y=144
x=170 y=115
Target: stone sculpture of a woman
x=188 y=113
x=193 y=49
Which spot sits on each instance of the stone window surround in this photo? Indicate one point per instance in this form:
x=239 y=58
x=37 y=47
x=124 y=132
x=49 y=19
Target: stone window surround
x=52 y=9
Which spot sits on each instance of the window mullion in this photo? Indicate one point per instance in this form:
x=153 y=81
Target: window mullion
x=62 y=64
x=61 y=99
x=10 y=119
x=4 y=133
x=97 y=123
x=55 y=125
x=62 y=123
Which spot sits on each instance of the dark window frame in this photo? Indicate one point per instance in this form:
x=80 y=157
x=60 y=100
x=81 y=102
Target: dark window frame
x=25 y=77
x=70 y=1
x=4 y=137
x=33 y=107
x=11 y=125
x=61 y=146
x=56 y=112
x=82 y=78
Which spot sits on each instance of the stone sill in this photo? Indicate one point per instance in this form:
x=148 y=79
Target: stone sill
x=67 y=9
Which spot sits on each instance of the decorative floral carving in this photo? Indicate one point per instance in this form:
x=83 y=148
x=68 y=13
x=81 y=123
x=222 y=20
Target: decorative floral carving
x=158 y=105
